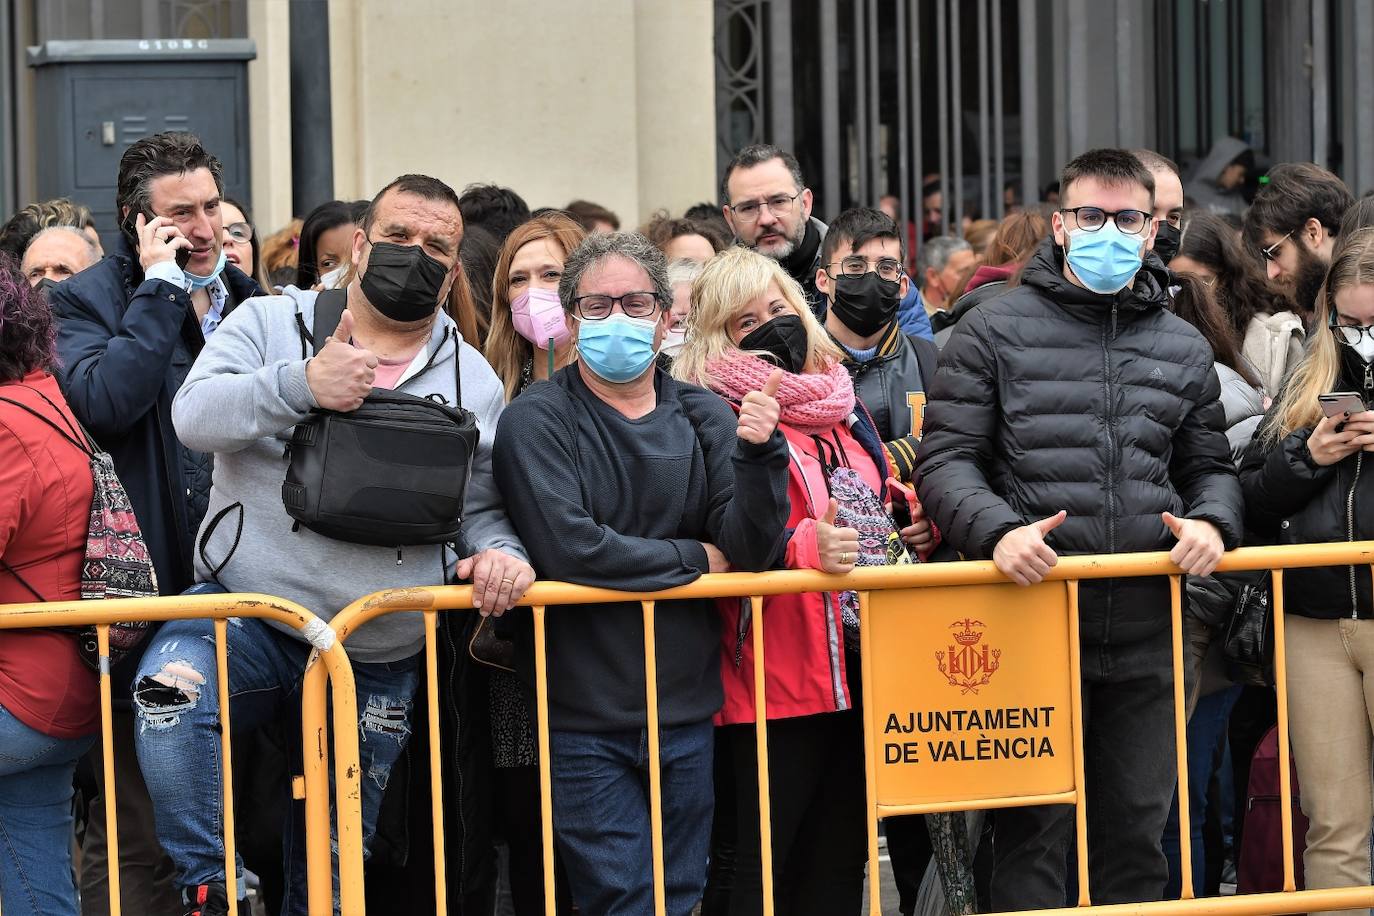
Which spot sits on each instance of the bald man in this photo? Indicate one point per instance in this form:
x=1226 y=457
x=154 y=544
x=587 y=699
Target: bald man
x=57 y=253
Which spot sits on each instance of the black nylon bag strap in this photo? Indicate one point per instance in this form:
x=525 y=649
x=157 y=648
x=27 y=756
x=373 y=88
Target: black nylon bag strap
x=329 y=308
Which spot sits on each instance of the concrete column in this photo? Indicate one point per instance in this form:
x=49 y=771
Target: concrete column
x=269 y=114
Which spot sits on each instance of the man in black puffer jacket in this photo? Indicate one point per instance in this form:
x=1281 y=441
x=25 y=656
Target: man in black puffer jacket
x=1075 y=414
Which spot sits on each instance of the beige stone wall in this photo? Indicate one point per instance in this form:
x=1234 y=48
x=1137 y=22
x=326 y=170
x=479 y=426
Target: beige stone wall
x=269 y=113
x=609 y=100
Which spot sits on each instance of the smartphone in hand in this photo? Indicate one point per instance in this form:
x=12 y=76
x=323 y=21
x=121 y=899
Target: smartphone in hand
x=1339 y=403
x=130 y=229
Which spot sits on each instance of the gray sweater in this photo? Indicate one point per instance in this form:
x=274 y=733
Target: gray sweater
x=244 y=395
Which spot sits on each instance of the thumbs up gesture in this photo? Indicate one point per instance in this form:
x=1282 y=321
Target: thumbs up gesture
x=340 y=375
x=759 y=411
x=838 y=547
x=1199 y=546
x=1023 y=556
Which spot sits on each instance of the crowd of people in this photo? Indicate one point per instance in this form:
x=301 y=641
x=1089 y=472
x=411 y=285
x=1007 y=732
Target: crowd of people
x=741 y=387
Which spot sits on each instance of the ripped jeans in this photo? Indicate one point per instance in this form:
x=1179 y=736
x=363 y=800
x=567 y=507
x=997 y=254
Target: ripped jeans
x=177 y=704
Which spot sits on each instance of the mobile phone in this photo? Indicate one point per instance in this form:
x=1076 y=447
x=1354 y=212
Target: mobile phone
x=130 y=229
x=1339 y=403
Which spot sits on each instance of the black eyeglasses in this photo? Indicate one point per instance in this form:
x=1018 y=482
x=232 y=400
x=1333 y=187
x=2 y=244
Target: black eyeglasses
x=1091 y=219
x=1271 y=253
x=778 y=205
x=596 y=308
x=857 y=265
x=1351 y=333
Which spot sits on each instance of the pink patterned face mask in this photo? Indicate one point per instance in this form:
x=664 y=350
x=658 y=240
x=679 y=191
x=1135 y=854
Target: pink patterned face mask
x=538 y=316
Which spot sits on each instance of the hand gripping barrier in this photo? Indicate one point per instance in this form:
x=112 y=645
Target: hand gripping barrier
x=328 y=656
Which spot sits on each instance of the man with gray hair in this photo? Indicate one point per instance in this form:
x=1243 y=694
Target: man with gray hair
x=943 y=261
x=768 y=206
x=57 y=253
x=618 y=476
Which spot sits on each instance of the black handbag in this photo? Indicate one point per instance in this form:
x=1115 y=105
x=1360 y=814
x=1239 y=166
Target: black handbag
x=1249 y=643
x=394 y=472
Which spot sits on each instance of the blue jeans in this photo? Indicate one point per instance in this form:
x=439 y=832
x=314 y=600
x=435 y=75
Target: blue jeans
x=1206 y=734
x=36 y=819
x=177 y=703
x=601 y=817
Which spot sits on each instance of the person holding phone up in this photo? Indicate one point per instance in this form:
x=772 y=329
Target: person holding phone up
x=129 y=329
x=1305 y=481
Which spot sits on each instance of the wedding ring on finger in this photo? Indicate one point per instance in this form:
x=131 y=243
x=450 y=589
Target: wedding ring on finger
x=844 y=558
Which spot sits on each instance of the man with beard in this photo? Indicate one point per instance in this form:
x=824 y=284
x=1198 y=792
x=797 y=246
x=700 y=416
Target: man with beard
x=1293 y=224
x=768 y=207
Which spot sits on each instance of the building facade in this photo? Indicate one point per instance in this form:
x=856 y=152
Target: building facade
x=638 y=104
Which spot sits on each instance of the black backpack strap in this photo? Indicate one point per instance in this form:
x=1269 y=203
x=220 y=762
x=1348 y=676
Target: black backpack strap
x=329 y=309
x=87 y=447
x=22 y=581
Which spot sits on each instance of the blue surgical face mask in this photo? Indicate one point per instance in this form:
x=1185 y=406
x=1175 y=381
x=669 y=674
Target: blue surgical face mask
x=1105 y=261
x=199 y=282
x=618 y=348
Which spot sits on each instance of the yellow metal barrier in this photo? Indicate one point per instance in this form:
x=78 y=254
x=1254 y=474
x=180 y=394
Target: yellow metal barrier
x=1051 y=607
x=221 y=607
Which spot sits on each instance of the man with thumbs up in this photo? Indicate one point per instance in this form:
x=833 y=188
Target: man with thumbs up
x=1078 y=415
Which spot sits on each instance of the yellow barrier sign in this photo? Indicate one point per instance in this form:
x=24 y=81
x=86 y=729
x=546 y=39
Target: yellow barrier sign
x=971 y=692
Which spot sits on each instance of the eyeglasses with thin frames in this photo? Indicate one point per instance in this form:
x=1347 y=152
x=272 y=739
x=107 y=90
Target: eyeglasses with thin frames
x=779 y=205
x=857 y=265
x=1091 y=219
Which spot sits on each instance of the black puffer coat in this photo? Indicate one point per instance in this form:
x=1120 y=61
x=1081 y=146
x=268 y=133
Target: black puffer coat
x=1053 y=397
x=1290 y=499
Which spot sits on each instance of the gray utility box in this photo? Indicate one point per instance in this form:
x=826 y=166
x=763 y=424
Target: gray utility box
x=95 y=98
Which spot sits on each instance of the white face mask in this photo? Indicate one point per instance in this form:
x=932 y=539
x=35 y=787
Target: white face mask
x=332 y=279
x=1365 y=348
x=674 y=341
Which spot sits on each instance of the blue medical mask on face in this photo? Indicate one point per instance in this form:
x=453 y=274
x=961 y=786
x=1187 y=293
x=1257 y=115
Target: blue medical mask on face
x=199 y=282
x=1105 y=261
x=618 y=348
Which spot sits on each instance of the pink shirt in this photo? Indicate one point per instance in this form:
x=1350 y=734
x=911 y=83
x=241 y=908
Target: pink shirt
x=389 y=371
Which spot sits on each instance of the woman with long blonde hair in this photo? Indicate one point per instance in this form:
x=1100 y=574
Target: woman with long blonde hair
x=750 y=329
x=525 y=312
x=1305 y=481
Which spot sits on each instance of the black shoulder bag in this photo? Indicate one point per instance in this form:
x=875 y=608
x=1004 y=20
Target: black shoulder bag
x=394 y=472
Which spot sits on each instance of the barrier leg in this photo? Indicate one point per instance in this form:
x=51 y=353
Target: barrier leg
x=315 y=777
x=231 y=883
x=875 y=903
x=541 y=707
x=1185 y=827
x=1076 y=698
x=1281 y=695
x=436 y=776
x=655 y=775
x=761 y=751
x=348 y=796
x=102 y=635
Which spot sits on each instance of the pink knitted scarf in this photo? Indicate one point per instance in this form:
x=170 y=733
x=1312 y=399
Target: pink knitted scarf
x=811 y=402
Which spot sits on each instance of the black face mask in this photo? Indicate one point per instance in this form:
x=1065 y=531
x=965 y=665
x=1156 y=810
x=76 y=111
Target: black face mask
x=866 y=304
x=45 y=284
x=782 y=340
x=402 y=282
x=1166 y=242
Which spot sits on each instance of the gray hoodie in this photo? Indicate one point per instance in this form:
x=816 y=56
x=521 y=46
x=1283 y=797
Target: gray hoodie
x=245 y=393
x=1202 y=191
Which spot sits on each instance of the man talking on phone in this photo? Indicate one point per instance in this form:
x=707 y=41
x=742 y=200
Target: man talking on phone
x=130 y=328
x=1077 y=414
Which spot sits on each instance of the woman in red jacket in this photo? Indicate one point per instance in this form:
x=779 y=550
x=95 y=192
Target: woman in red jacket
x=750 y=329
x=49 y=708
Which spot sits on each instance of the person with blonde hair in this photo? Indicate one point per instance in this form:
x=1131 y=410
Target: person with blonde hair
x=525 y=312
x=1304 y=481
x=751 y=329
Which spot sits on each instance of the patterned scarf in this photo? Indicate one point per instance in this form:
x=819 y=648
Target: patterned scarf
x=812 y=402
